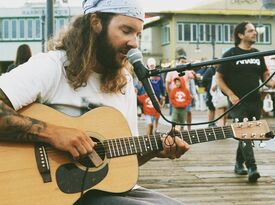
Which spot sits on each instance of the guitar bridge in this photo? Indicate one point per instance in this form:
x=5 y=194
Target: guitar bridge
x=42 y=162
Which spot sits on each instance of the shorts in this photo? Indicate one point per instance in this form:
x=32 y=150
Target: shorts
x=150 y=119
x=209 y=102
x=189 y=108
x=210 y=105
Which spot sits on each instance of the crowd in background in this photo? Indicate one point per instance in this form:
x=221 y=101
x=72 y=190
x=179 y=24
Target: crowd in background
x=179 y=93
x=199 y=91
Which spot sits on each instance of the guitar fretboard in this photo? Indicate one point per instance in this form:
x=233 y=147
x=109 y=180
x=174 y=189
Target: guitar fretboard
x=141 y=144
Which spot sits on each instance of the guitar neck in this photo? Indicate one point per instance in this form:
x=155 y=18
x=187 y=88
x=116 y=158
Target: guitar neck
x=141 y=144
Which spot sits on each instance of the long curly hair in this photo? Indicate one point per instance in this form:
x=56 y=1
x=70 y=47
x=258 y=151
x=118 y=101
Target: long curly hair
x=78 y=42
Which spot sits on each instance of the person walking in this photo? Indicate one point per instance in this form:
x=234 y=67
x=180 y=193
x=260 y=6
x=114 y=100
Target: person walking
x=158 y=87
x=236 y=79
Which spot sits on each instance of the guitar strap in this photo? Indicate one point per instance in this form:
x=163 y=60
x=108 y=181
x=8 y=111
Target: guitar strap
x=42 y=162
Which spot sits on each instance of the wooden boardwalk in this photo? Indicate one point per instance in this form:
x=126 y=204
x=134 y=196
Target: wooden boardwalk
x=204 y=176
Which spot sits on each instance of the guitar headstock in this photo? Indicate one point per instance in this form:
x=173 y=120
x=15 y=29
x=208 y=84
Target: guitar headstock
x=252 y=130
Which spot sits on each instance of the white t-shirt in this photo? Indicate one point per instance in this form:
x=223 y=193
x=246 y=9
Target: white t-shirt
x=43 y=79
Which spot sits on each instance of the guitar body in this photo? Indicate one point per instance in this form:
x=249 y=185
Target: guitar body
x=21 y=182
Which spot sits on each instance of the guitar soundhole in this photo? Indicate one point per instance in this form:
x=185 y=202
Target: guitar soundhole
x=85 y=161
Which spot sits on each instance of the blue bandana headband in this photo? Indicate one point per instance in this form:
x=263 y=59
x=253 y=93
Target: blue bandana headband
x=122 y=7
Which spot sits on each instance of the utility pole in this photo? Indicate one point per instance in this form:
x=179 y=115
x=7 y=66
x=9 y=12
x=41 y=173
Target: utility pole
x=43 y=30
x=49 y=19
x=213 y=42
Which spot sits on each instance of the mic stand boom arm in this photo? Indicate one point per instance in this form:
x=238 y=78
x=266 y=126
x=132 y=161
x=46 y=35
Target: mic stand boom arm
x=190 y=66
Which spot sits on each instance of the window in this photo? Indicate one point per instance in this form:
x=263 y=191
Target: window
x=21 y=29
x=265 y=37
x=165 y=34
x=6 y=31
x=231 y=31
x=37 y=29
x=1 y=29
x=218 y=33
x=14 y=29
x=30 y=28
x=59 y=24
x=226 y=33
x=194 y=32
x=202 y=32
x=180 y=32
x=208 y=32
x=187 y=32
x=205 y=32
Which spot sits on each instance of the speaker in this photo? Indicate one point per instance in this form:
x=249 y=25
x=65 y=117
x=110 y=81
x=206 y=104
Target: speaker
x=269 y=4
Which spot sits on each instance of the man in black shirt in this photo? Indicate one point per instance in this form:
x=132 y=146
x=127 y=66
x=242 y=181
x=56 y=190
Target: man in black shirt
x=238 y=78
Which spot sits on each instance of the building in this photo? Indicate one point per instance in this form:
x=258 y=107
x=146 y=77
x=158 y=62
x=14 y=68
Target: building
x=27 y=25
x=197 y=28
x=204 y=29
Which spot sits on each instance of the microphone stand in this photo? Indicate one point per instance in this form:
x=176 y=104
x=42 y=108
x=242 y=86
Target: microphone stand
x=181 y=68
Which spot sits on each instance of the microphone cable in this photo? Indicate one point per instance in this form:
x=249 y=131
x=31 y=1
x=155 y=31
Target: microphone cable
x=227 y=111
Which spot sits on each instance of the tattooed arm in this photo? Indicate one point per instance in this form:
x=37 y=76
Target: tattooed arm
x=16 y=127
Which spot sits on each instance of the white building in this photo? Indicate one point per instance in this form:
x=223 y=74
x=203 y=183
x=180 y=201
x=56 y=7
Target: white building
x=27 y=25
x=203 y=29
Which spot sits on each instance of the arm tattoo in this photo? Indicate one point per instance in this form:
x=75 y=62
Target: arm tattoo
x=16 y=127
x=5 y=99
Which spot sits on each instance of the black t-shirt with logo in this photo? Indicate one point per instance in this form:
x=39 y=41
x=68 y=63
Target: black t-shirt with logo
x=242 y=76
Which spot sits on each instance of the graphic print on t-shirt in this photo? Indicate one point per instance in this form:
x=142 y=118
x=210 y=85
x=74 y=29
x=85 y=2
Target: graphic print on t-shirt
x=180 y=96
x=251 y=61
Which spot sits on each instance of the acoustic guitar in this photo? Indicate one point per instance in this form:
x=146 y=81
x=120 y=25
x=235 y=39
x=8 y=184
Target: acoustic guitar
x=38 y=174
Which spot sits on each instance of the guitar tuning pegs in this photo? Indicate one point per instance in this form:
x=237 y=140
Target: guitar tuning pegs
x=262 y=144
x=244 y=136
x=245 y=119
x=262 y=135
x=236 y=120
x=254 y=118
x=258 y=123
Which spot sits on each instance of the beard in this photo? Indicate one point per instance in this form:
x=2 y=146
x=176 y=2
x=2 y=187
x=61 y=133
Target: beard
x=106 y=54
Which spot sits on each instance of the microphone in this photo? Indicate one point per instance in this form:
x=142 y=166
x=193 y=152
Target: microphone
x=135 y=58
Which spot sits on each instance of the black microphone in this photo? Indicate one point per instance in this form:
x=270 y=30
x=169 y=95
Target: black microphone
x=135 y=58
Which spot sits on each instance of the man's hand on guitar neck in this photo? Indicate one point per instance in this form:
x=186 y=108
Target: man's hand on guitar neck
x=173 y=147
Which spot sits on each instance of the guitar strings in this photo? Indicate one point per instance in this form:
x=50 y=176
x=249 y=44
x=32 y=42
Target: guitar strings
x=185 y=135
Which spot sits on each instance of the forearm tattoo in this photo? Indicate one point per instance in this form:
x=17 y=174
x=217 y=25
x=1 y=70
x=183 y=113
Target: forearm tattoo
x=15 y=127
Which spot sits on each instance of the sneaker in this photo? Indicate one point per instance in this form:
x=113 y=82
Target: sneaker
x=239 y=169
x=156 y=132
x=253 y=175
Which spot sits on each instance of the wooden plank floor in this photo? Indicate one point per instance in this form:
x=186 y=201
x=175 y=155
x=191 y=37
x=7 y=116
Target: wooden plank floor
x=204 y=176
